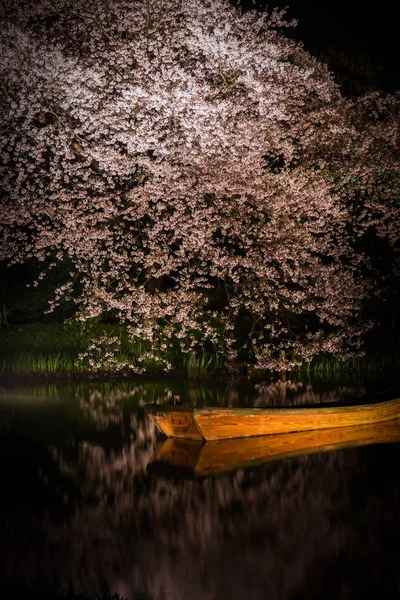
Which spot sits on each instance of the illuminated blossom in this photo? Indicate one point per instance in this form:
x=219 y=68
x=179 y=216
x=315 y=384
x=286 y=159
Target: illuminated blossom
x=197 y=173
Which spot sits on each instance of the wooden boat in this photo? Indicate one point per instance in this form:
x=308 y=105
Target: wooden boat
x=198 y=459
x=191 y=422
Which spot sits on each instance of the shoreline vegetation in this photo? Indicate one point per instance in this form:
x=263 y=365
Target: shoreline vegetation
x=52 y=352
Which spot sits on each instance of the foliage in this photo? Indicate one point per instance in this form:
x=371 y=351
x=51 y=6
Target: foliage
x=199 y=367
x=328 y=367
x=22 y=304
x=199 y=173
x=79 y=346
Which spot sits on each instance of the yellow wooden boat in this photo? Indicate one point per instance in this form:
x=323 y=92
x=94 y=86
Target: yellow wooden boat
x=191 y=422
x=196 y=458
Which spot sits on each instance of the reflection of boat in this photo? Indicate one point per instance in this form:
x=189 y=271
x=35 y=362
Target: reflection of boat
x=219 y=423
x=202 y=459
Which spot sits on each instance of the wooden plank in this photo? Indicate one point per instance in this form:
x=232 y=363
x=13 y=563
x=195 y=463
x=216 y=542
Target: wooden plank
x=173 y=422
x=220 y=423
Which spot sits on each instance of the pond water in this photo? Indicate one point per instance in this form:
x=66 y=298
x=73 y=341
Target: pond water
x=84 y=509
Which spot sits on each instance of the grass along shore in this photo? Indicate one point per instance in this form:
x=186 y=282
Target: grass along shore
x=56 y=349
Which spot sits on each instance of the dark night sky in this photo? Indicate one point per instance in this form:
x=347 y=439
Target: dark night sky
x=352 y=27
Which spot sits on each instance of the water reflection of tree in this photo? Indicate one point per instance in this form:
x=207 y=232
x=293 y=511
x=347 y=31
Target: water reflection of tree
x=103 y=405
x=266 y=532
x=237 y=536
x=293 y=393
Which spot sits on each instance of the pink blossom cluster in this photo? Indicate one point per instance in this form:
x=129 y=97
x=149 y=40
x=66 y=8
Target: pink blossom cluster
x=172 y=153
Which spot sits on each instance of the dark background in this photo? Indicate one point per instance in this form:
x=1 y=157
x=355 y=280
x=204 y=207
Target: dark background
x=367 y=35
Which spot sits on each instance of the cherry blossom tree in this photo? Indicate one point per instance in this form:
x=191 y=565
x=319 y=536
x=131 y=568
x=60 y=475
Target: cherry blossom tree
x=198 y=173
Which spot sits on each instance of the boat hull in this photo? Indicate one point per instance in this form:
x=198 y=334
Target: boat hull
x=175 y=422
x=225 y=423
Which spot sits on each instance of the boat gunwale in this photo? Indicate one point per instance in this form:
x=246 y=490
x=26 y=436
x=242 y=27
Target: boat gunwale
x=326 y=408
x=323 y=408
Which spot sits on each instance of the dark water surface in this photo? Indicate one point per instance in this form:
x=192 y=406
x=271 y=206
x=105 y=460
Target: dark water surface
x=82 y=509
